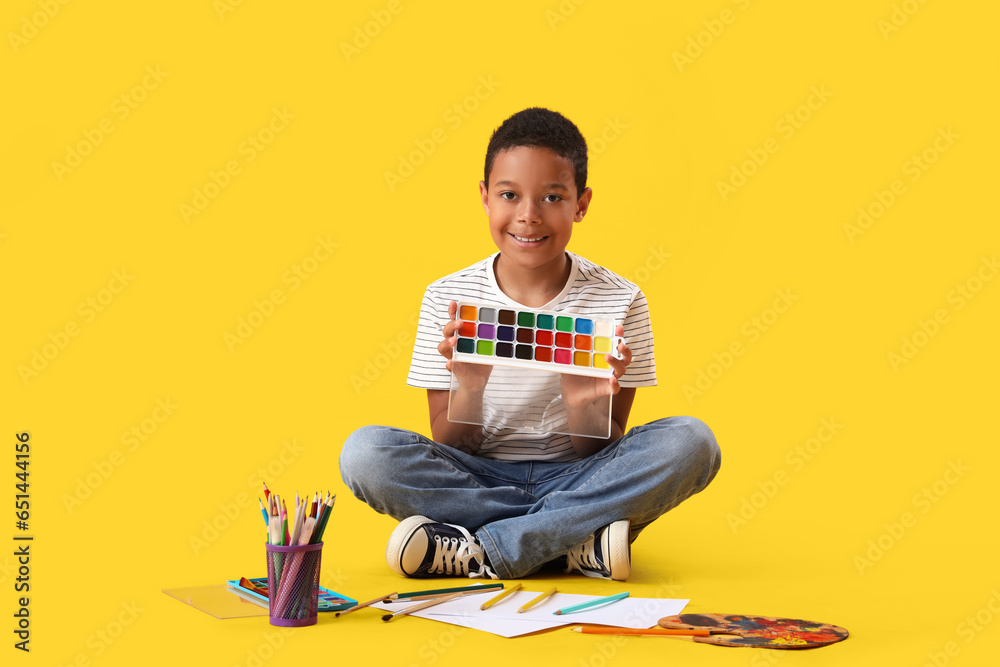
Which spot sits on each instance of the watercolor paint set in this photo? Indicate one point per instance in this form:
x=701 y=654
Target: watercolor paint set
x=536 y=339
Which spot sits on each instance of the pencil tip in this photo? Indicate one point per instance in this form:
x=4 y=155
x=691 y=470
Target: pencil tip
x=577 y=629
x=558 y=612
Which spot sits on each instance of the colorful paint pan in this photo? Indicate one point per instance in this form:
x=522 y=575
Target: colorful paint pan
x=562 y=342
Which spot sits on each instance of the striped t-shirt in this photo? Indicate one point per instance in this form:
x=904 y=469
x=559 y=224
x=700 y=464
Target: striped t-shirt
x=590 y=290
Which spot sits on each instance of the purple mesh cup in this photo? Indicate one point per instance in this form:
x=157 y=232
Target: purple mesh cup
x=293 y=584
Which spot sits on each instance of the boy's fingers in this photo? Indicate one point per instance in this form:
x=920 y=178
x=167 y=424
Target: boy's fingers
x=446 y=346
x=626 y=353
x=451 y=328
x=617 y=365
x=452 y=309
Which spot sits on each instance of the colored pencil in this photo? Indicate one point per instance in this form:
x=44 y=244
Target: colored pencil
x=326 y=518
x=262 y=510
x=541 y=598
x=434 y=596
x=591 y=603
x=422 y=605
x=647 y=632
x=285 y=537
x=493 y=600
x=364 y=604
x=403 y=597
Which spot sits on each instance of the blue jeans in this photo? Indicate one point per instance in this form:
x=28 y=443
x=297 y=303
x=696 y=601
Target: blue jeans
x=527 y=513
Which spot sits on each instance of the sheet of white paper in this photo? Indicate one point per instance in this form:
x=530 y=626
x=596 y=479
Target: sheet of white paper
x=503 y=619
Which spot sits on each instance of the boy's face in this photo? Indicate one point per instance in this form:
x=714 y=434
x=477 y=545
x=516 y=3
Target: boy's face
x=532 y=204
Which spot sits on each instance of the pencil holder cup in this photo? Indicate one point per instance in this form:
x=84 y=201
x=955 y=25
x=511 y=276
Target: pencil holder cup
x=293 y=584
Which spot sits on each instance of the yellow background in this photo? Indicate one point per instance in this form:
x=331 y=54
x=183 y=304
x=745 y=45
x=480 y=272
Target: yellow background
x=822 y=538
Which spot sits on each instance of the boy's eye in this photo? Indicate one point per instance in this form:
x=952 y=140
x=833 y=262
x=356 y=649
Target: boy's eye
x=552 y=198
x=504 y=195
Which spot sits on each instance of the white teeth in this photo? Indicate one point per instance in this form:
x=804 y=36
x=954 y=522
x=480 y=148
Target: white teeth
x=521 y=238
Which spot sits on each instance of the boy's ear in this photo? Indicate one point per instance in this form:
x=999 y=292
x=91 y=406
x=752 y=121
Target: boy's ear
x=485 y=196
x=582 y=204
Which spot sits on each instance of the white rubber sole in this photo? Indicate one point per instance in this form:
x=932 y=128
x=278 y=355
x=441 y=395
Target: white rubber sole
x=397 y=542
x=619 y=550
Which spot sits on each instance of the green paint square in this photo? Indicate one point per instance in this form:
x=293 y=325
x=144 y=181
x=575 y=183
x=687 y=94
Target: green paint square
x=466 y=345
x=546 y=322
x=525 y=319
x=485 y=347
x=564 y=323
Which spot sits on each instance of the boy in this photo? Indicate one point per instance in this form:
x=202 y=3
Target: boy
x=493 y=501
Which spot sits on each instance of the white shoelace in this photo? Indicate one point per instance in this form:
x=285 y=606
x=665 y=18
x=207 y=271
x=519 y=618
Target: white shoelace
x=583 y=559
x=452 y=556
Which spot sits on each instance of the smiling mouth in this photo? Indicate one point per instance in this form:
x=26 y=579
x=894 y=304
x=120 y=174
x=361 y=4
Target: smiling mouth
x=527 y=239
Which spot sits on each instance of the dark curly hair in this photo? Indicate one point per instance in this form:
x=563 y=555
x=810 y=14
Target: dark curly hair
x=541 y=128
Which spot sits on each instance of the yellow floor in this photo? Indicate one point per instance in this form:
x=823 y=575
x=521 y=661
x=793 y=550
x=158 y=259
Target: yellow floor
x=217 y=219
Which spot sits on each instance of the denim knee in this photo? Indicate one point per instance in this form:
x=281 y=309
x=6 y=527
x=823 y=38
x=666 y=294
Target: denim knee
x=701 y=448
x=360 y=456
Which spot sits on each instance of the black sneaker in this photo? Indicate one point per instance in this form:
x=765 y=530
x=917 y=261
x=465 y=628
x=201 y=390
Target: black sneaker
x=422 y=548
x=607 y=553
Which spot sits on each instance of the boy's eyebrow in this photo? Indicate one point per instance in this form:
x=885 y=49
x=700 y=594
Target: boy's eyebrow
x=546 y=186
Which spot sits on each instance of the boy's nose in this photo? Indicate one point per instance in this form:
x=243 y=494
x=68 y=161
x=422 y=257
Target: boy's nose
x=528 y=211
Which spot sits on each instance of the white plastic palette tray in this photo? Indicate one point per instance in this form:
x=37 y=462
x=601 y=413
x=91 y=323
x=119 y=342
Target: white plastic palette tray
x=544 y=340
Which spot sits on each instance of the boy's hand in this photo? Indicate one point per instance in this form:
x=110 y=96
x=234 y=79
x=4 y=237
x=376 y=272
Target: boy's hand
x=470 y=376
x=579 y=391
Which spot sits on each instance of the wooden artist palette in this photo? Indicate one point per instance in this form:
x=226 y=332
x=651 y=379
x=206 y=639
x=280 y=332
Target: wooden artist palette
x=758 y=631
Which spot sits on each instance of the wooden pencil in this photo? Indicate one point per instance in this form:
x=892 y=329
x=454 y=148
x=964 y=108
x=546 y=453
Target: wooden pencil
x=649 y=632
